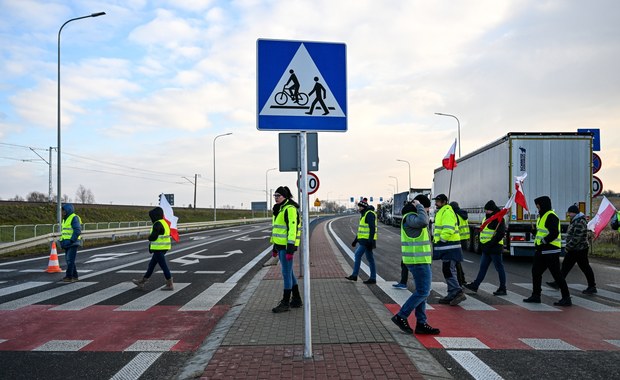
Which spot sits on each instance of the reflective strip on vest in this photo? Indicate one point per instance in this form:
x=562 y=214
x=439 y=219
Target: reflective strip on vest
x=163 y=242
x=363 y=230
x=280 y=233
x=542 y=232
x=487 y=233
x=445 y=220
x=463 y=228
x=618 y=219
x=67 y=229
x=415 y=250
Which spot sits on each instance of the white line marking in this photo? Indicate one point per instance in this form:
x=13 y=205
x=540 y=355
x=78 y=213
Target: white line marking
x=476 y=367
x=152 y=345
x=20 y=287
x=209 y=298
x=615 y=342
x=586 y=304
x=461 y=343
x=63 y=345
x=517 y=299
x=210 y=272
x=549 y=344
x=94 y=298
x=39 y=297
x=151 y=299
x=137 y=366
x=469 y=304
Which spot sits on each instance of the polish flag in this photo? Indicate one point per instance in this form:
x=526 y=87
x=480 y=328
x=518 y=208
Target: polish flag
x=169 y=217
x=605 y=212
x=500 y=215
x=449 y=161
x=519 y=195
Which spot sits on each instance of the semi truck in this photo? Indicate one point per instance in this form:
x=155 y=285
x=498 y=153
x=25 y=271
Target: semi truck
x=399 y=200
x=558 y=165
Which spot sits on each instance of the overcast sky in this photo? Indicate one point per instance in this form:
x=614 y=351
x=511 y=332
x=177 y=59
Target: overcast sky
x=147 y=87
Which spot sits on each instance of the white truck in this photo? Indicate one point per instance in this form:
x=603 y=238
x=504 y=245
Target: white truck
x=558 y=165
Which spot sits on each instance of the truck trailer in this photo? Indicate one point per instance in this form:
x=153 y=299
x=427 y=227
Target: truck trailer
x=558 y=165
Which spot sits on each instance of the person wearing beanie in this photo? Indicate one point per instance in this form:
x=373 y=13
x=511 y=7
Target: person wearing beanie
x=159 y=243
x=447 y=248
x=577 y=248
x=461 y=216
x=548 y=246
x=285 y=237
x=417 y=257
x=367 y=239
x=492 y=244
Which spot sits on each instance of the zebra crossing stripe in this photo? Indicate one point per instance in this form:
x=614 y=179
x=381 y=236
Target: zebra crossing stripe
x=469 y=304
x=476 y=367
x=599 y=292
x=63 y=345
x=137 y=366
x=209 y=298
x=150 y=299
x=152 y=345
x=461 y=343
x=399 y=296
x=517 y=299
x=615 y=342
x=95 y=298
x=20 y=287
x=39 y=297
x=586 y=304
x=549 y=344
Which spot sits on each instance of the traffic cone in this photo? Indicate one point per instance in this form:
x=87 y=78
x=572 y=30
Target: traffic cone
x=52 y=266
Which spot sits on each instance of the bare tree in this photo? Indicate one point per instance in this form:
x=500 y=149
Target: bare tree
x=84 y=195
x=17 y=198
x=35 y=196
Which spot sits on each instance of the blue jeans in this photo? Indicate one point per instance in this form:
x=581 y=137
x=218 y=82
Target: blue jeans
x=287 y=270
x=448 y=267
x=70 y=255
x=359 y=252
x=422 y=276
x=485 y=261
x=158 y=257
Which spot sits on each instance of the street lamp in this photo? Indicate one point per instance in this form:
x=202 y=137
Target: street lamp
x=267 y=195
x=214 y=204
x=396 y=178
x=408 y=164
x=58 y=212
x=458 y=127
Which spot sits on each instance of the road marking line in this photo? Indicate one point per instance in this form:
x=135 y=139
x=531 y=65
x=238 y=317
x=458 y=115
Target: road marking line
x=469 y=304
x=549 y=344
x=157 y=271
x=517 y=299
x=94 y=298
x=615 y=342
x=137 y=366
x=210 y=272
x=586 y=304
x=207 y=299
x=151 y=299
x=461 y=343
x=20 y=287
x=152 y=345
x=48 y=294
x=399 y=296
x=476 y=367
x=599 y=292
x=63 y=345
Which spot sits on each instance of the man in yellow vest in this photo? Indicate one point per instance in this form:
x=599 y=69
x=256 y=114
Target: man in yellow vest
x=447 y=248
x=461 y=216
x=159 y=243
x=548 y=245
x=70 y=240
x=367 y=239
x=417 y=256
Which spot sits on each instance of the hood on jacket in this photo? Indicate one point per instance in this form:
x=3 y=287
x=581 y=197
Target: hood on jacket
x=545 y=204
x=458 y=210
x=68 y=208
x=156 y=214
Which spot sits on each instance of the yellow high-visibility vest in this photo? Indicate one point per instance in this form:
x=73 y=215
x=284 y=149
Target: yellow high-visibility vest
x=541 y=232
x=415 y=250
x=163 y=242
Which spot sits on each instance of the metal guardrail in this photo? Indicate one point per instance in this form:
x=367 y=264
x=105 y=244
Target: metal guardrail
x=113 y=233
x=24 y=231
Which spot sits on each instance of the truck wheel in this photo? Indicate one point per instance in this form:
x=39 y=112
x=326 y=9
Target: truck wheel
x=476 y=242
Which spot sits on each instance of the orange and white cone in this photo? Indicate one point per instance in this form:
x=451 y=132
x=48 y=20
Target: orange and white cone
x=52 y=266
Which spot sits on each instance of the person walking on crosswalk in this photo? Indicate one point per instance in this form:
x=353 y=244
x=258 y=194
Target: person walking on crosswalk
x=417 y=256
x=70 y=240
x=160 y=243
x=285 y=237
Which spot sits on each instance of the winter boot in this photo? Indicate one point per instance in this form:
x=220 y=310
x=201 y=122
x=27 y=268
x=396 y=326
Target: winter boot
x=285 y=304
x=169 y=285
x=296 y=301
x=140 y=283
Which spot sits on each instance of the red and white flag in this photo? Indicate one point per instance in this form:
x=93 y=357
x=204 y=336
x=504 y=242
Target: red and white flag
x=499 y=215
x=605 y=212
x=449 y=161
x=519 y=195
x=169 y=217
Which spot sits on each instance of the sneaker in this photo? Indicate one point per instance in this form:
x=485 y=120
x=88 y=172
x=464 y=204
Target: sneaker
x=471 y=287
x=553 y=285
x=352 y=278
x=532 y=299
x=399 y=286
x=500 y=292
x=74 y=279
x=589 y=290
x=370 y=281
x=566 y=301
x=425 y=328
x=445 y=300
x=66 y=279
x=402 y=324
x=460 y=297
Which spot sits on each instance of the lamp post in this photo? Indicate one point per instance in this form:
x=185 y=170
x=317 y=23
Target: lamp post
x=408 y=164
x=396 y=178
x=458 y=127
x=214 y=204
x=267 y=195
x=58 y=212
x=194 y=183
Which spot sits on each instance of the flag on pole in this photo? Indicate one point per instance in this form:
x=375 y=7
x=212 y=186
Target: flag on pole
x=449 y=160
x=519 y=195
x=605 y=212
x=499 y=215
x=169 y=216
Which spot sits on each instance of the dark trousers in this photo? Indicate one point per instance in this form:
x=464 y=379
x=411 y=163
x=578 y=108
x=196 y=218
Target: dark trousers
x=541 y=263
x=158 y=257
x=581 y=258
x=404 y=273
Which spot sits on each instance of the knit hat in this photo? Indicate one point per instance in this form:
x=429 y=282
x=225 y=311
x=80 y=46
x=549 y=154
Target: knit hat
x=423 y=199
x=284 y=191
x=491 y=206
x=574 y=209
x=363 y=202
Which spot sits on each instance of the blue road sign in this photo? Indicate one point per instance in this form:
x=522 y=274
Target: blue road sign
x=596 y=137
x=301 y=86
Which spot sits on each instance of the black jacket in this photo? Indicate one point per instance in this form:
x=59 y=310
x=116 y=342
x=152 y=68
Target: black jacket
x=493 y=246
x=551 y=224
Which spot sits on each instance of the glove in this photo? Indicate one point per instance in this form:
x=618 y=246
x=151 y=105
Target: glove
x=274 y=252
x=290 y=249
x=354 y=243
x=289 y=256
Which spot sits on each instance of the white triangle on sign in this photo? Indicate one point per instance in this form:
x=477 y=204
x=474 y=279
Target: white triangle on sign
x=305 y=69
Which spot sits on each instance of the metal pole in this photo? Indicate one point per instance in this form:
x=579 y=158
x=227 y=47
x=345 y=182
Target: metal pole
x=409 y=165
x=214 y=198
x=396 y=178
x=305 y=246
x=458 y=126
x=59 y=195
x=195 y=182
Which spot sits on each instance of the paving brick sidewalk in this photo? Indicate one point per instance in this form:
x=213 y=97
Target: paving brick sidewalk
x=352 y=335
